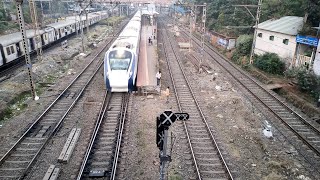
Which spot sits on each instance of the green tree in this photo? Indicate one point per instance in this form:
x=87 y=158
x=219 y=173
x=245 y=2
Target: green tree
x=238 y=16
x=243 y=49
x=271 y=63
x=308 y=82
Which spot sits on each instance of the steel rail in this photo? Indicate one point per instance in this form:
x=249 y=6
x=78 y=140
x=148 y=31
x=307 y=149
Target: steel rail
x=49 y=107
x=202 y=115
x=102 y=112
x=28 y=131
x=123 y=116
x=312 y=147
x=103 y=123
x=7 y=68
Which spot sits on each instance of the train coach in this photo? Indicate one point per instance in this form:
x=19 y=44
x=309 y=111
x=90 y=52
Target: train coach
x=121 y=60
x=11 y=47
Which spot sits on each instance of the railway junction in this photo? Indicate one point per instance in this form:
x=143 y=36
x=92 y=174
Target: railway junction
x=231 y=126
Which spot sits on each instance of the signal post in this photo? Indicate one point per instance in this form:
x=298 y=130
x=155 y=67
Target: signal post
x=164 y=121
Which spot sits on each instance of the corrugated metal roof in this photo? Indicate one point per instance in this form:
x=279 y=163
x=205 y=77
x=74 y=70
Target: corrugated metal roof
x=287 y=25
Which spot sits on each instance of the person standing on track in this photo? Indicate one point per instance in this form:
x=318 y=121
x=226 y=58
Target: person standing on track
x=167 y=93
x=150 y=42
x=158 y=76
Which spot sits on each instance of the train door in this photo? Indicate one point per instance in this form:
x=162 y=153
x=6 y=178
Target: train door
x=2 y=59
x=10 y=53
x=21 y=48
x=44 y=38
x=77 y=27
x=61 y=34
x=19 y=52
x=31 y=43
x=57 y=36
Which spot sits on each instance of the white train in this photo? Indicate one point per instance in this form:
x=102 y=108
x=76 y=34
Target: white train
x=121 y=60
x=11 y=47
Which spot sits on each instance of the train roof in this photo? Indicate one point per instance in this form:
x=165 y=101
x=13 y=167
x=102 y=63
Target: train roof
x=16 y=37
x=8 y=39
x=61 y=24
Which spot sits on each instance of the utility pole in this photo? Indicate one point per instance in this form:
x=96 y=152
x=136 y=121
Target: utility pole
x=34 y=17
x=174 y=19
x=314 y=51
x=255 y=31
x=190 y=33
x=257 y=19
x=203 y=32
x=193 y=9
x=25 y=47
x=80 y=24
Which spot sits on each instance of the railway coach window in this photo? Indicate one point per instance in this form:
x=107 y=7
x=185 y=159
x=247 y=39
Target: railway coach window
x=120 y=60
x=8 y=50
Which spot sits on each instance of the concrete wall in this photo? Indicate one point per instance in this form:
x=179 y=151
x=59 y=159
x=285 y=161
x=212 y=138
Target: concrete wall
x=316 y=63
x=264 y=44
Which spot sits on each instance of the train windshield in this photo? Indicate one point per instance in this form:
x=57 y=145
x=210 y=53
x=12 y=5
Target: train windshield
x=120 y=59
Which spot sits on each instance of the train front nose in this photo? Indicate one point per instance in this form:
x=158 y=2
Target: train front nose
x=119 y=81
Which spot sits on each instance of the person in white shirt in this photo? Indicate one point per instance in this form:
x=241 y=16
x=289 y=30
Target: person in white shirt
x=158 y=76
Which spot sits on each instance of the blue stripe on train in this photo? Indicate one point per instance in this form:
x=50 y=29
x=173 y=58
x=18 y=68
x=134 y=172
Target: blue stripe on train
x=105 y=75
x=108 y=84
x=131 y=79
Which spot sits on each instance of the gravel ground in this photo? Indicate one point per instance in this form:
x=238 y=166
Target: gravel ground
x=237 y=125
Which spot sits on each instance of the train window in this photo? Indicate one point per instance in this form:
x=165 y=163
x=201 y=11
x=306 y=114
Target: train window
x=8 y=51
x=12 y=49
x=120 y=59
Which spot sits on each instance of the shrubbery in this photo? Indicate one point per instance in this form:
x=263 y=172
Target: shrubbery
x=271 y=63
x=308 y=82
x=243 y=49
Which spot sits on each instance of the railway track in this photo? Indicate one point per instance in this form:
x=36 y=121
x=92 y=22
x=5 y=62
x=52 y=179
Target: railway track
x=8 y=70
x=16 y=163
x=102 y=154
x=305 y=134
x=206 y=155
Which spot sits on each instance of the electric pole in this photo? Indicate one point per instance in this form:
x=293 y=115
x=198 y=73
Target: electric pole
x=34 y=17
x=255 y=31
x=80 y=24
x=26 y=48
x=190 y=33
x=174 y=19
x=203 y=32
x=257 y=19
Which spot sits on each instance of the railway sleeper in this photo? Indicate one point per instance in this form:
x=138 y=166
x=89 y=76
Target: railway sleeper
x=52 y=173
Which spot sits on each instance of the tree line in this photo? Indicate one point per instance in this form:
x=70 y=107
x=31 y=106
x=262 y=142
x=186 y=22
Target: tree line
x=223 y=13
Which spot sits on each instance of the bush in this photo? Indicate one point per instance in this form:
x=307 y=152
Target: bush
x=271 y=63
x=309 y=83
x=244 y=43
x=243 y=49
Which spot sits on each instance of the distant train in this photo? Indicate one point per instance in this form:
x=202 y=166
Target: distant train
x=121 y=60
x=11 y=47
